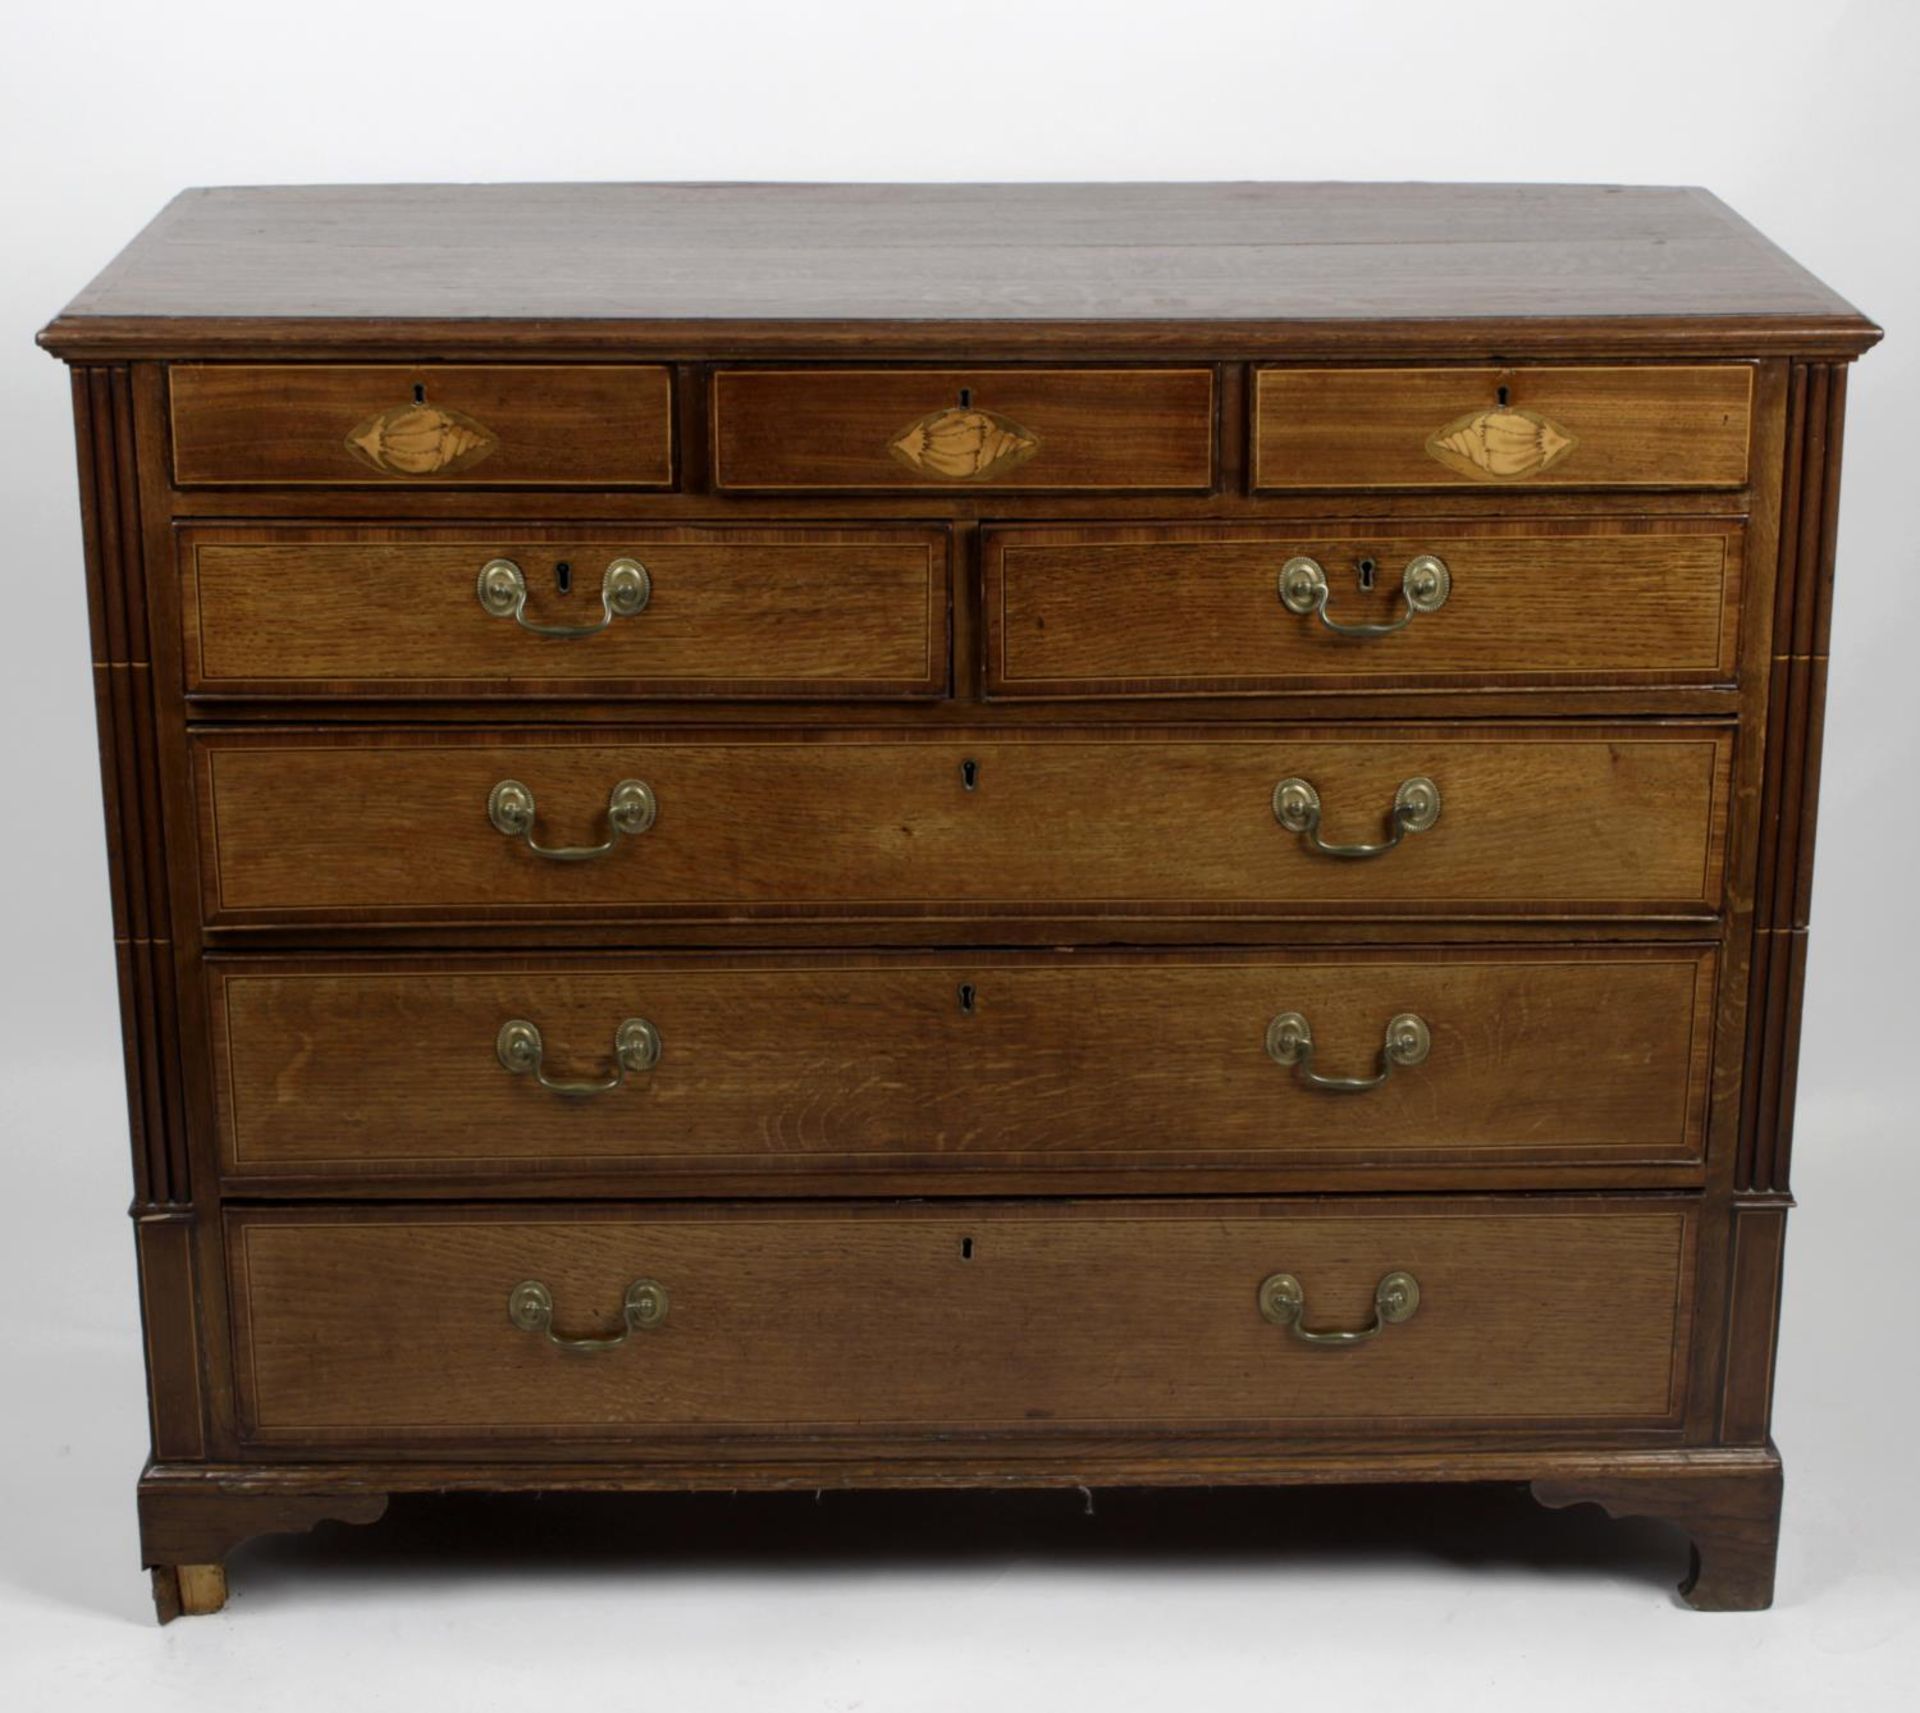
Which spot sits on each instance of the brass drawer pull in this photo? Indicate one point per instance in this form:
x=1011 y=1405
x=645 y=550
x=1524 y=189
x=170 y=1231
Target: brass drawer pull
x=1290 y=1042
x=630 y=812
x=1424 y=585
x=530 y=1308
x=1284 y=1302
x=1416 y=807
x=636 y=1048
x=625 y=589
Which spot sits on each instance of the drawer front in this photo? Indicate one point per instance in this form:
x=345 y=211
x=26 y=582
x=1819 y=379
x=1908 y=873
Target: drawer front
x=657 y=612
x=815 y=429
x=946 y=1064
x=307 y=424
x=435 y=826
x=1530 y=427
x=394 y=1325
x=1206 y=610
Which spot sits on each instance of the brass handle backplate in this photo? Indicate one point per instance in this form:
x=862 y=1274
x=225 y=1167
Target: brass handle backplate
x=1424 y=586
x=625 y=590
x=1283 y=1301
x=1416 y=807
x=630 y=811
x=1290 y=1042
x=636 y=1049
x=530 y=1308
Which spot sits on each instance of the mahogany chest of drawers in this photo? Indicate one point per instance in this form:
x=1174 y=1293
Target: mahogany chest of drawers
x=832 y=836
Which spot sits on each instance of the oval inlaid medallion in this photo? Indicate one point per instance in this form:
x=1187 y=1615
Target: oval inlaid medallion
x=1504 y=444
x=961 y=444
x=420 y=440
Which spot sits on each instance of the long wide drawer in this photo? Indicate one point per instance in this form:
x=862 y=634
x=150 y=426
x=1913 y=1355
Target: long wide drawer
x=1226 y=609
x=402 y=1325
x=508 y=1069
x=602 y=425
x=413 y=826
x=271 y=610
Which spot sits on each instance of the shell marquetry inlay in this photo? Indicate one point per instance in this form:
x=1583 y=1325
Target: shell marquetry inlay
x=962 y=444
x=1503 y=444
x=420 y=440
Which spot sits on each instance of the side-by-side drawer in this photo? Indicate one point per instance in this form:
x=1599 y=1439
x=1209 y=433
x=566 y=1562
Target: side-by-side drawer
x=1065 y=429
x=1641 y=427
x=606 y=425
x=1433 y=820
x=509 y=1069
x=405 y=1325
x=1226 y=609
x=268 y=610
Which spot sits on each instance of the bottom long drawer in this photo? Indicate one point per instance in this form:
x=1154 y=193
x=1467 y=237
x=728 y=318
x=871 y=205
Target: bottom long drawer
x=377 y=1327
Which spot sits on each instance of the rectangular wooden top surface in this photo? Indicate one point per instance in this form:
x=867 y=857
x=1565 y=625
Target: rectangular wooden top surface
x=497 y=266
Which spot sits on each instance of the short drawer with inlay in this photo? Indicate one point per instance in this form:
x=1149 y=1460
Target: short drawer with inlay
x=405 y=1326
x=1065 y=429
x=273 y=610
x=1224 y=609
x=1642 y=426
x=602 y=425
x=577 y=824
x=370 y=1070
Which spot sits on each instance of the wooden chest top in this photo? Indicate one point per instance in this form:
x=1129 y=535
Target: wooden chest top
x=495 y=267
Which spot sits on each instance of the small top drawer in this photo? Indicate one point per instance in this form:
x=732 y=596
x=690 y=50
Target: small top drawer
x=502 y=425
x=1090 y=429
x=1640 y=427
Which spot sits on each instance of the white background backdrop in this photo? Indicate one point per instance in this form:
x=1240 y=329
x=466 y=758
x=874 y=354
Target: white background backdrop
x=1798 y=112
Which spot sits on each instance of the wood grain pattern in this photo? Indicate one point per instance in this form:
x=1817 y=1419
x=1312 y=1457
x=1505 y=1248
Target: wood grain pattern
x=959 y=1461
x=1796 y=709
x=394 y=826
x=391 y=611
x=946 y=1063
x=130 y=772
x=822 y=430
x=1607 y=930
x=170 y=1323
x=188 y=1526
x=1678 y=427
x=203 y=1588
x=875 y=271
x=1755 y=1257
x=1732 y=1518
x=1044 y=1317
x=600 y=425
x=1195 y=610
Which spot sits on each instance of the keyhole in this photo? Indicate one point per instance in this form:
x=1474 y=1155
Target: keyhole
x=969 y=774
x=966 y=1249
x=966 y=398
x=1366 y=569
x=563 y=576
x=966 y=998
x=419 y=392
x=1503 y=394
